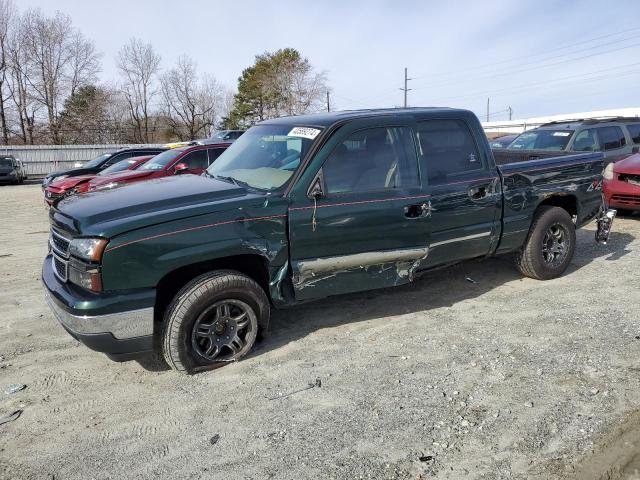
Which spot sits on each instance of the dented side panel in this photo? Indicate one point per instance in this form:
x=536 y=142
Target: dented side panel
x=251 y=228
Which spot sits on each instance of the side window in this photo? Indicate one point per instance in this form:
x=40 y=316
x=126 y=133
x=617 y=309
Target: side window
x=195 y=160
x=611 y=138
x=372 y=159
x=448 y=148
x=116 y=158
x=214 y=153
x=634 y=132
x=586 y=141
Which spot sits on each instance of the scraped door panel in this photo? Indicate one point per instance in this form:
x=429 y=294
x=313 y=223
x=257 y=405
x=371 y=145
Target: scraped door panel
x=370 y=228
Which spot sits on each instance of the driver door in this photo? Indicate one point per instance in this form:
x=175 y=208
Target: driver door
x=361 y=222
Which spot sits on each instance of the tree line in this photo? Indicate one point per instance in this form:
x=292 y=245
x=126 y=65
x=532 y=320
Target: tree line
x=51 y=93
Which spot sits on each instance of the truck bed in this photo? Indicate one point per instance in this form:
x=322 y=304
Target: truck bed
x=574 y=179
x=506 y=156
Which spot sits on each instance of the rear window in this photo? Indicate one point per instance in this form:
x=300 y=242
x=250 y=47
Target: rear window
x=611 y=138
x=634 y=132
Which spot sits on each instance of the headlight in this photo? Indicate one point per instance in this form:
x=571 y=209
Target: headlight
x=88 y=248
x=108 y=185
x=608 y=172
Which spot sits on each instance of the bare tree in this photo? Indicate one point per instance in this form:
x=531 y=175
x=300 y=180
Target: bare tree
x=21 y=91
x=139 y=66
x=7 y=16
x=192 y=105
x=59 y=59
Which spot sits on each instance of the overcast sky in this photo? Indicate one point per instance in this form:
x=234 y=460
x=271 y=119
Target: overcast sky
x=539 y=57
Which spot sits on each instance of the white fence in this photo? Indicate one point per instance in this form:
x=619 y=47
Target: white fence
x=42 y=159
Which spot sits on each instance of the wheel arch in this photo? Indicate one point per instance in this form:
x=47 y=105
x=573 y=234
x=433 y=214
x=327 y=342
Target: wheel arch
x=567 y=202
x=254 y=266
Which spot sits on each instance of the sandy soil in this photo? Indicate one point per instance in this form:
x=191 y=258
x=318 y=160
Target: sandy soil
x=507 y=377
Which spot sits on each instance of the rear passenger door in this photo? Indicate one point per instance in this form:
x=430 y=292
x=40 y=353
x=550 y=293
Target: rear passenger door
x=613 y=143
x=466 y=201
x=369 y=228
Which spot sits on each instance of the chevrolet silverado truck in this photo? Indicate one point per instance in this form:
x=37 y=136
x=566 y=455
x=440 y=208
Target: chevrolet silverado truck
x=301 y=208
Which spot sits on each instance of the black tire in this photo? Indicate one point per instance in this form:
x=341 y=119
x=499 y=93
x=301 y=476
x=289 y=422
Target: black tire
x=207 y=310
x=550 y=244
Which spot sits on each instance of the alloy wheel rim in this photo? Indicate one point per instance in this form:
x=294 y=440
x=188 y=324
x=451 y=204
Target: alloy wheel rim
x=223 y=330
x=555 y=245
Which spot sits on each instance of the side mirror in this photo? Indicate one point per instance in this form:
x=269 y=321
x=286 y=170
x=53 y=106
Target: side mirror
x=635 y=150
x=315 y=192
x=180 y=168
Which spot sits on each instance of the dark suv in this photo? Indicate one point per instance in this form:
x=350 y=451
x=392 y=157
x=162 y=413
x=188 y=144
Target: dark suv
x=11 y=170
x=101 y=162
x=615 y=137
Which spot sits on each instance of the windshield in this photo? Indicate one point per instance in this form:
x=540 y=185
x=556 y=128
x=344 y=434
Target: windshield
x=219 y=135
x=96 y=161
x=161 y=160
x=118 y=167
x=556 y=140
x=266 y=156
x=5 y=162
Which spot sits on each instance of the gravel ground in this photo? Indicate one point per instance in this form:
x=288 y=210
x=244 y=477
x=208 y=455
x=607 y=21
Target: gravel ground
x=502 y=377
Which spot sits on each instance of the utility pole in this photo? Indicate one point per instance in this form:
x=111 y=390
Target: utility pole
x=405 y=89
x=510 y=110
x=328 y=102
x=487 y=109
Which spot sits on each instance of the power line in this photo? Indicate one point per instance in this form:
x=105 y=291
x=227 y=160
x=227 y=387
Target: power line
x=531 y=67
x=564 y=47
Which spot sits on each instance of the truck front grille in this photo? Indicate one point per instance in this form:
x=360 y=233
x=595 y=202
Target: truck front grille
x=59 y=244
x=626 y=199
x=60 y=267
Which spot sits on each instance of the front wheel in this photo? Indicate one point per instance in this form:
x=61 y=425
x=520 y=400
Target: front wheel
x=550 y=244
x=214 y=319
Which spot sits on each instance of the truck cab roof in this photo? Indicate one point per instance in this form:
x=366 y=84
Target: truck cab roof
x=330 y=118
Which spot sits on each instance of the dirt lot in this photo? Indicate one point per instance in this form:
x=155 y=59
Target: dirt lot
x=506 y=377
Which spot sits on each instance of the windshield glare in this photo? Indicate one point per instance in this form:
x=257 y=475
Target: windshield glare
x=97 y=161
x=118 y=167
x=161 y=160
x=265 y=157
x=555 y=140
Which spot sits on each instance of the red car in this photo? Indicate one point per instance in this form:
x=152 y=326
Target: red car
x=80 y=184
x=622 y=183
x=194 y=159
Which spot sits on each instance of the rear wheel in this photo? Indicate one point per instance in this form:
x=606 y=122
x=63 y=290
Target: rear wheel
x=214 y=319
x=550 y=244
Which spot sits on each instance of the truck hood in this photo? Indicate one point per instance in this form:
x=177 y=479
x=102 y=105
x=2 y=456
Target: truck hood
x=6 y=170
x=132 y=206
x=628 y=165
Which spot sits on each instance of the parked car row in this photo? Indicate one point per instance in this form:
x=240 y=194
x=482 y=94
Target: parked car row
x=300 y=208
x=133 y=164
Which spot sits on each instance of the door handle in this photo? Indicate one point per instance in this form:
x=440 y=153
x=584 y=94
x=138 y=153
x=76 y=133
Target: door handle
x=478 y=193
x=418 y=210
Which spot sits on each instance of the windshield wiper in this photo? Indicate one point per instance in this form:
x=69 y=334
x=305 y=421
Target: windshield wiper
x=235 y=181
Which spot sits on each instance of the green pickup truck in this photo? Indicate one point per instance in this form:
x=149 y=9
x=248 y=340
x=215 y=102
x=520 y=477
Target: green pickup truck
x=302 y=208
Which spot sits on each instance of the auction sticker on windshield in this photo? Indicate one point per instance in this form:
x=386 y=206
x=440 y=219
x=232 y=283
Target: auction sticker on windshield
x=304 y=132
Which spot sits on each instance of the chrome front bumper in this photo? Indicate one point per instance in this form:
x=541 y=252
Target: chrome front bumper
x=122 y=325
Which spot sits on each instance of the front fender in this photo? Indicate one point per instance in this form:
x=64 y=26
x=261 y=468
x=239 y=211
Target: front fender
x=139 y=259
